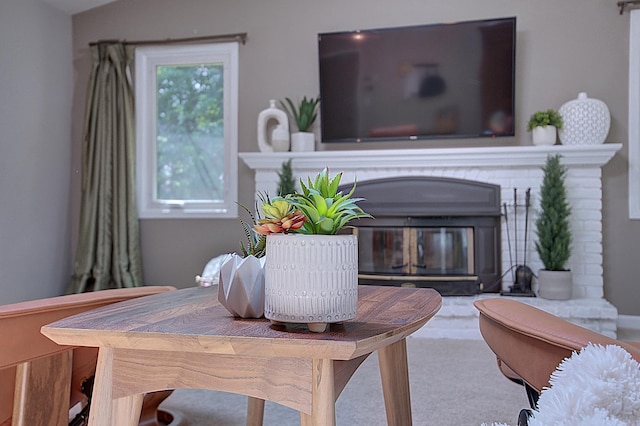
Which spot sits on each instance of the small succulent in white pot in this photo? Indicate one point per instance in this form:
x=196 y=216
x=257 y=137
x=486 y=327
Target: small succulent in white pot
x=544 y=126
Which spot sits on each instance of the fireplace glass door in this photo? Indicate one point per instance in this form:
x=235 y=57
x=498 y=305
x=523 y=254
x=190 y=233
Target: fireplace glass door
x=419 y=251
x=442 y=251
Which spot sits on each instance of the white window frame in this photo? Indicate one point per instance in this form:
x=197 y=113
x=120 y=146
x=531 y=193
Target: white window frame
x=146 y=61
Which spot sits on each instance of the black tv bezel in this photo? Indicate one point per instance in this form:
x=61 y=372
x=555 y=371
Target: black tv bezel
x=482 y=135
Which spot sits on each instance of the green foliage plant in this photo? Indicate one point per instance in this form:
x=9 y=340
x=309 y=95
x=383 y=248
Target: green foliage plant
x=327 y=210
x=549 y=117
x=286 y=182
x=304 y=114
x=552 y=225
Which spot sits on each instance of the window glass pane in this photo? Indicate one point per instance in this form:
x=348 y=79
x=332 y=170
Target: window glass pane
x=190 y=132
x=187 y=130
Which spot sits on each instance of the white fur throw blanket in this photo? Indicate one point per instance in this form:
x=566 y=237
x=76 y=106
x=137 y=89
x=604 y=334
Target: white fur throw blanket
x=599 y=386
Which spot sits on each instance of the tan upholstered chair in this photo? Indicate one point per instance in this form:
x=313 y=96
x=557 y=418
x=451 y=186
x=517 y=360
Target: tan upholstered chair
x=39 y=380
x=530 y=344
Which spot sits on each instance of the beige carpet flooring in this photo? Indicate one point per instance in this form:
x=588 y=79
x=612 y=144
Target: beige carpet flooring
x=453 y=382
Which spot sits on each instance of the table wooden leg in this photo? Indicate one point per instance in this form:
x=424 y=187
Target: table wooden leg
x=126 y=411
x=104 y=410
x=100 y=412
x=323 y=404
x=394 y=372
x=255 y=412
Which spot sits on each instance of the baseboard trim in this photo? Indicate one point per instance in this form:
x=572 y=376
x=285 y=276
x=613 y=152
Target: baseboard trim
x=629 y=322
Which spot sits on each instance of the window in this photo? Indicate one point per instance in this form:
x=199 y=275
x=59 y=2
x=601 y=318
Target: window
x=187 y=132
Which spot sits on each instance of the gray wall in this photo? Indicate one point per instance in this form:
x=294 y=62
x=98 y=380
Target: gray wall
x=563 y=48
x=35 y=149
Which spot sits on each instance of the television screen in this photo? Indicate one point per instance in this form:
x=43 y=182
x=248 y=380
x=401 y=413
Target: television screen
x=450 y=80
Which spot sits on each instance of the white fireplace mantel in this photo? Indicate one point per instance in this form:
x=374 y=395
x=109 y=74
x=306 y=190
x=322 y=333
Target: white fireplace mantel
x=512 y=156
x=514 y=168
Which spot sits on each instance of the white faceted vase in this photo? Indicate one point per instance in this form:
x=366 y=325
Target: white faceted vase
x=241 y=286
x=311 y=279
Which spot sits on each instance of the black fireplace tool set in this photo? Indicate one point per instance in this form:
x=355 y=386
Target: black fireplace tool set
x=521 y=274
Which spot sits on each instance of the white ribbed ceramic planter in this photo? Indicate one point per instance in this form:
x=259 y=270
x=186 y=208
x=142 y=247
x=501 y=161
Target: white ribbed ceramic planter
x=311 y=279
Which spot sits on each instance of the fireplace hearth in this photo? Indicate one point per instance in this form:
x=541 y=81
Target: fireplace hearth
x=435 y=232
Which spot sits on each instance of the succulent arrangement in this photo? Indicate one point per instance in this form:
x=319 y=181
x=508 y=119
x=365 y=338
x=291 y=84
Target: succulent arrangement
x=319 y=209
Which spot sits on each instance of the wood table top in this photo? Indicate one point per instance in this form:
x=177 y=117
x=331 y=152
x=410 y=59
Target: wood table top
x=192 y=320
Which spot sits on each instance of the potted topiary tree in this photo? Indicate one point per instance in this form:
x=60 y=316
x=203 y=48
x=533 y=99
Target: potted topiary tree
x=554 y=232
x=304 y=114
x=544 y=126
x=286 y=182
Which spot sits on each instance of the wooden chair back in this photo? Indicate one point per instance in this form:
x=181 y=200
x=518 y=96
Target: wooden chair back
x=39 y=380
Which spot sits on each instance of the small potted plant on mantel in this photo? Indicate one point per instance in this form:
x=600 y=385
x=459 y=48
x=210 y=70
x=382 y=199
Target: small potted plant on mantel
x=304 y=114
x=554 y=233
x=544 y=126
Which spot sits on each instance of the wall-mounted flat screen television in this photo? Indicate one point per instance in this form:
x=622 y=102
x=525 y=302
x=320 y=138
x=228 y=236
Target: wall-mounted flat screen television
x=451 y=80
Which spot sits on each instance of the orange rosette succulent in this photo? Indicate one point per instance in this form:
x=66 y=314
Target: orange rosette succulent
x=280 y=216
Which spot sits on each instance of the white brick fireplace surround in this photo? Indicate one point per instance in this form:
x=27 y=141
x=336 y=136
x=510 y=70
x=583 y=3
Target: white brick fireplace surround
x=510 y=167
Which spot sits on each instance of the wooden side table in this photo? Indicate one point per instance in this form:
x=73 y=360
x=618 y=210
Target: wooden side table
x=186 y=339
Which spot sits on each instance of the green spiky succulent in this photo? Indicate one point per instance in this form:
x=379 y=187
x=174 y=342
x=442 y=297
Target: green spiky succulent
x=304 y=114
x=327 y=210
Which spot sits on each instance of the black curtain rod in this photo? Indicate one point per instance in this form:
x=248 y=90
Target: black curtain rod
x=623 y=4
x=242 y=37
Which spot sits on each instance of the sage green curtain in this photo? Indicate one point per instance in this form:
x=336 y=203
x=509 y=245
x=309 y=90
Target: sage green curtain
x=108 y=251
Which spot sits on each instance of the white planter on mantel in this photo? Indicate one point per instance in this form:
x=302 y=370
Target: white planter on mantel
x=303 y=141
x=544 y=135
